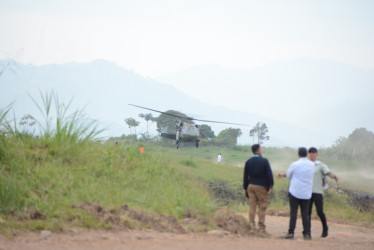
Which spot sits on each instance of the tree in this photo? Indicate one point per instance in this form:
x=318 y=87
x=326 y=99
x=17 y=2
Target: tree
x=361 y=136
x=206 y=131
x=259 y=133
x=359 y=146
x=340 y=141
x=132 y=123
x=166 y=121
x=148 y=117
x=228 y=136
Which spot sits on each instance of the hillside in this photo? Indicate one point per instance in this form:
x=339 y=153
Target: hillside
x=106 y=89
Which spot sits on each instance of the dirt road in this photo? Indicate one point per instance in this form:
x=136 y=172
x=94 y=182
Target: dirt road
x=340 y=237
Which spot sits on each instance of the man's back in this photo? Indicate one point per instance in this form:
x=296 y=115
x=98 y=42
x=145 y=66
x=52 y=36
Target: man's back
x=259 y=172
x=257 y=183
x=301 y=173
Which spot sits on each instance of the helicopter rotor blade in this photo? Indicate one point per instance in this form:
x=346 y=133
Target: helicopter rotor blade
x=230 y=123
x=165 y=113
x=189 y=118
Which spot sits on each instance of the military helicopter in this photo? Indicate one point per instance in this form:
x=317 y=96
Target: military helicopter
x=183 y=131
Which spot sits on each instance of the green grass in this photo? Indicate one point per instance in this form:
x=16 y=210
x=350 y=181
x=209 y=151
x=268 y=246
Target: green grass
x=65 y=165
x=202 y=165
x=51 y=178
x=51 y=182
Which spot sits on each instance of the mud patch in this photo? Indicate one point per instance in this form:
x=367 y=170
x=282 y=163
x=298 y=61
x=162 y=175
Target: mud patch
x=277 y=213
x=231 y=222
x=112 y=219
x=227 y=194
x=127 y=218
x=232 y=194
x=360 y=200
x=160 y=223
x=36 y=215
x=89 y=207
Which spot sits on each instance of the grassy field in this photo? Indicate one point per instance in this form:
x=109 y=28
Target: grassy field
x=201 y=163
x=45 y=181
x=353 y=175
x=49 y=178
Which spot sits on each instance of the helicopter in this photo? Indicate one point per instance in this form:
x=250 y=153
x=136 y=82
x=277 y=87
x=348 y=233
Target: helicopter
x=183 y=131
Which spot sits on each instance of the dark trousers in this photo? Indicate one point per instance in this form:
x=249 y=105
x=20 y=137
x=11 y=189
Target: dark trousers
x=318 y=200
x=294 y=206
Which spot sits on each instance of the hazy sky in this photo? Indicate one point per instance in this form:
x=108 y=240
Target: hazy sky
x=159 y=37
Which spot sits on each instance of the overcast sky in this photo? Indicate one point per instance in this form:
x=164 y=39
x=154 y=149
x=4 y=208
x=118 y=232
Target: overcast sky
x=155 y=38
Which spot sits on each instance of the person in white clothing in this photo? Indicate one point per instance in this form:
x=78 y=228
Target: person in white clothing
x=300 y=173
x=219 y=158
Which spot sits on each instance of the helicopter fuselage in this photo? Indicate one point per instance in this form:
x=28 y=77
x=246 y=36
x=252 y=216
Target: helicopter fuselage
x=187 y=133
x=183 y=131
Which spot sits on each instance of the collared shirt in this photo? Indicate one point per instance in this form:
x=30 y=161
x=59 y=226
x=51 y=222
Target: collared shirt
x=320 y=170
x=301 y=173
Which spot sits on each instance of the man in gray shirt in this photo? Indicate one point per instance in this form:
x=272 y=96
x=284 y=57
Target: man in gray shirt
x=320 y=171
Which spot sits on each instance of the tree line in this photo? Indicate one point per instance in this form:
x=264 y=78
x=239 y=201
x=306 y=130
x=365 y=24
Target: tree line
x=166 y=123
x=357 y=146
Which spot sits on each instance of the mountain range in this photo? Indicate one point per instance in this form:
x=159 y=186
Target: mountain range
x=327 y=97
x=105 y=90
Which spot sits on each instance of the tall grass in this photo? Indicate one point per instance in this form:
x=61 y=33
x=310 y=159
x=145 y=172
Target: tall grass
x=4 y=124
x=62 y=164
x=3 y=113
x=66 y=126
x=102 y=174
x=22 y=152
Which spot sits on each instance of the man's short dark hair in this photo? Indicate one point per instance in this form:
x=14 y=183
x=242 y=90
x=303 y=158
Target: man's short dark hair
x=255 y=148
x=302 y=152
x=312 y=150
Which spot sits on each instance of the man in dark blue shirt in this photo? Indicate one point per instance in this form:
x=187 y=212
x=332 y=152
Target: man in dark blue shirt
x=257 y=183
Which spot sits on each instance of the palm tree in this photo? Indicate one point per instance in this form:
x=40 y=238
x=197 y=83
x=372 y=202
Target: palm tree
x=148 y=117
x=132 y=123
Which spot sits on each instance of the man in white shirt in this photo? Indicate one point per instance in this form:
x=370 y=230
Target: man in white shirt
x=300 y=173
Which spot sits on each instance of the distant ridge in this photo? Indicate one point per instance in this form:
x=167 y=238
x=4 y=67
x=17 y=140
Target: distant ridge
x=106 y=88
x=324 y=96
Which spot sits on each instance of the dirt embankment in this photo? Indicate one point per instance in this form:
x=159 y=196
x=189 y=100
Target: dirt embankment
x=134 y=229
x=125 y=218
x=360 y=200
x=340 y=237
